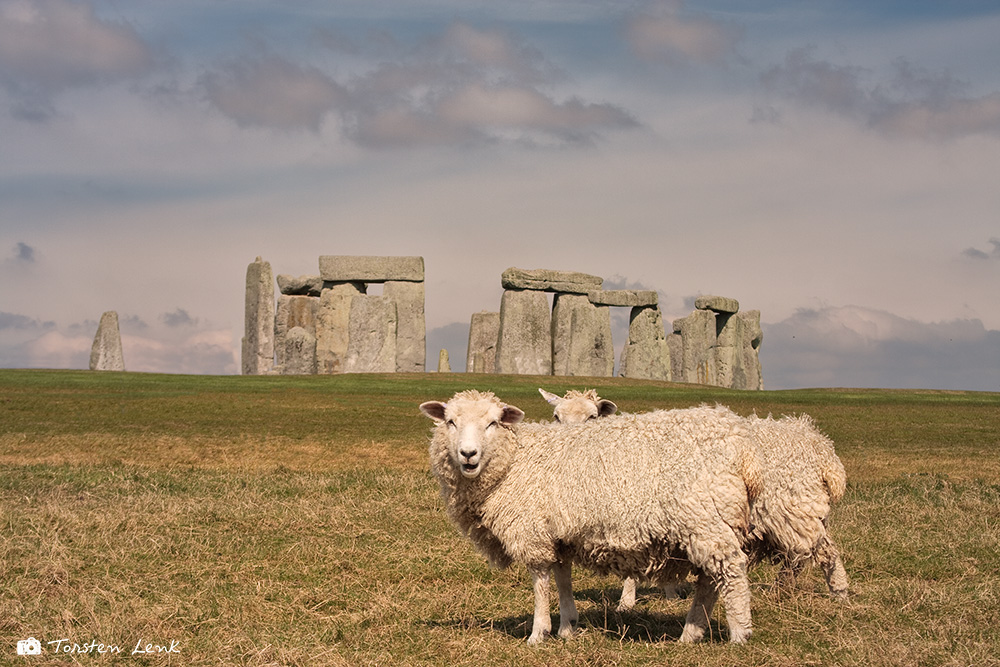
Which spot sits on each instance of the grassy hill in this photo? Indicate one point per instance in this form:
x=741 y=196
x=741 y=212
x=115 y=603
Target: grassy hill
x=293 y=520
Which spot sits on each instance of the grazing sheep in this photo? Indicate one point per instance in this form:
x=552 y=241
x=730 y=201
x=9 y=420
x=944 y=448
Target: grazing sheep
x=802 y=478
x=655 y=495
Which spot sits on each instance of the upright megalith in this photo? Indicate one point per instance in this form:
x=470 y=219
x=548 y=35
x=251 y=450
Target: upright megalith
x=698 y=340
x=258 y=337
x=106 y=352
x=299 y=352
x=371 y=344
x=411 y=333
x=292 y=311
x=581 y=337
x=524 y=343
x=646 y=354
x=444 y=366
x=737 y=361
x=484 y=330
x=333 y=325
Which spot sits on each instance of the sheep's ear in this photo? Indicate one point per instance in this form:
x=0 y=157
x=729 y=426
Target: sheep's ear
x=434 y=410
x=606 y=408
x=511 y=415
x=550 y=397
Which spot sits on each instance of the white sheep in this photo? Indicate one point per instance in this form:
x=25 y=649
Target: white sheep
x=655 y=496
x=802 y=477
x=578 y=406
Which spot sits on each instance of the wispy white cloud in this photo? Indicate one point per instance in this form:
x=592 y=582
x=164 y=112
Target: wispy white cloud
x=47 y=46
x=909 y=101
x=665 y=32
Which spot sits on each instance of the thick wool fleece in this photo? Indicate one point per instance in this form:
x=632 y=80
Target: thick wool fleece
x=643 y=495
x=802 y=477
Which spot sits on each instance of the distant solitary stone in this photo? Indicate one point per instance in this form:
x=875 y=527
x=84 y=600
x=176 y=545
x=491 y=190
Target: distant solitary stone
x=106 y=352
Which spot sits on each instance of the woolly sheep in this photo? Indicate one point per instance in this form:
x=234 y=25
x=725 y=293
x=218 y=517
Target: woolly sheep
x=656 y=496
x=802 y=477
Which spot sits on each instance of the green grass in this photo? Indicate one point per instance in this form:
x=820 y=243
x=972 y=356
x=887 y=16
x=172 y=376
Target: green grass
x=293 y=521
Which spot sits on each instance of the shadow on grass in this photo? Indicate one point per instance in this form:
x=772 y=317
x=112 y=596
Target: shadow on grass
x=634 y=626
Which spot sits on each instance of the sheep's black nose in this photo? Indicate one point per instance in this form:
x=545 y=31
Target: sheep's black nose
x=466 y=454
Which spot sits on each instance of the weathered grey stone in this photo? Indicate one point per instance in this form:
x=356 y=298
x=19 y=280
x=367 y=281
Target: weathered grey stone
x=675 y=344
x=346 y=268
x=301 y=285
x=581 y=337
x=698 y=337
x=300 y=352
x=646 y=354
x=719 y=304
x=549 y=281
x=106 y=351
x=332 y=325
x=371 y=345
x=524 y=345
x=411 y=333
x=737 y=362
x=484 y=331
x=291 y=312
x=444 y=366
x=624 y=297
x=591 y=350
x=258 y=320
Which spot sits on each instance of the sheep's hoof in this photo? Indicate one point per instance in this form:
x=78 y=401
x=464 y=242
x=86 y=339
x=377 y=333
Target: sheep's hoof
x=692 y=634
x=537 y=638
x=569 y=631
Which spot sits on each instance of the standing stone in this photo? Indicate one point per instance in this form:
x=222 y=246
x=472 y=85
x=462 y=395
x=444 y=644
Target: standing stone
x=371 y=345
x=291 y=312
x=444 y=366
x=411 y=333
x=581 y=337
x=106 y=352
x=749 y=375
x=675 y=344
x=484 y=330
x=646 y=354
x=698 y=337
x=300 y=352
x=524 y=345
x=332 y=325
x=258 y=337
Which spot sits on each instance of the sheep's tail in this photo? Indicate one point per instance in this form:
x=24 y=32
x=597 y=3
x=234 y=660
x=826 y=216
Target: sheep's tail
x=834 y=475
x=748 y=468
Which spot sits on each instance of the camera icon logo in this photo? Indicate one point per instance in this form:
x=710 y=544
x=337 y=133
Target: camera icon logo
x=29 y=646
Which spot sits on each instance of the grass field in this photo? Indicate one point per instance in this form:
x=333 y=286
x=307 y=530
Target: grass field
x=293 y=521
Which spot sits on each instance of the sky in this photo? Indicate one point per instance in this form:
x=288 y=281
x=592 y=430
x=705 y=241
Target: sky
x=830 y=164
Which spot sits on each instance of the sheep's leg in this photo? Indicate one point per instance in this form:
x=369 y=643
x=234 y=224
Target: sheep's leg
x=833 y=567
x=541 y=626
x=705 y=595
x=569 y=618
x=628 y=595
x=670 y=590
x=725 y=576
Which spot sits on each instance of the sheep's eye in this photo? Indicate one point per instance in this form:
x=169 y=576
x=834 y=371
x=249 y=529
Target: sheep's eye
x=451 y=423
x=557 y=418
x=492 y=425
x=591 y=417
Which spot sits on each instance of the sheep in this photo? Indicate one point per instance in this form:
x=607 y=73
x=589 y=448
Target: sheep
x=656 y=495
x=578 y=406
x=802 y=478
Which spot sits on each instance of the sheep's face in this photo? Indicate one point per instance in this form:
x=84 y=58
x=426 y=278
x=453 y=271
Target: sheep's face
x=472 y=426
x=577 y=407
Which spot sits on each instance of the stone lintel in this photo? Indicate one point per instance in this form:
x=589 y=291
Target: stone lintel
x=624 y=297
x=368 y=269
x=719 y=304
x=301 y=285
x=544 y=280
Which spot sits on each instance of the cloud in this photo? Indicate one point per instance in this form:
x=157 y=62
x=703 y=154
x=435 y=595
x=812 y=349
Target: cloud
x=977 y=254
x=47 y=46
x=908 y=102
x=24 y=253
x=667 y=34
x=273 y=92
x=22 y=322
x=452 y=337
x=852 y=346
x=462 y=85
x=179 y=318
